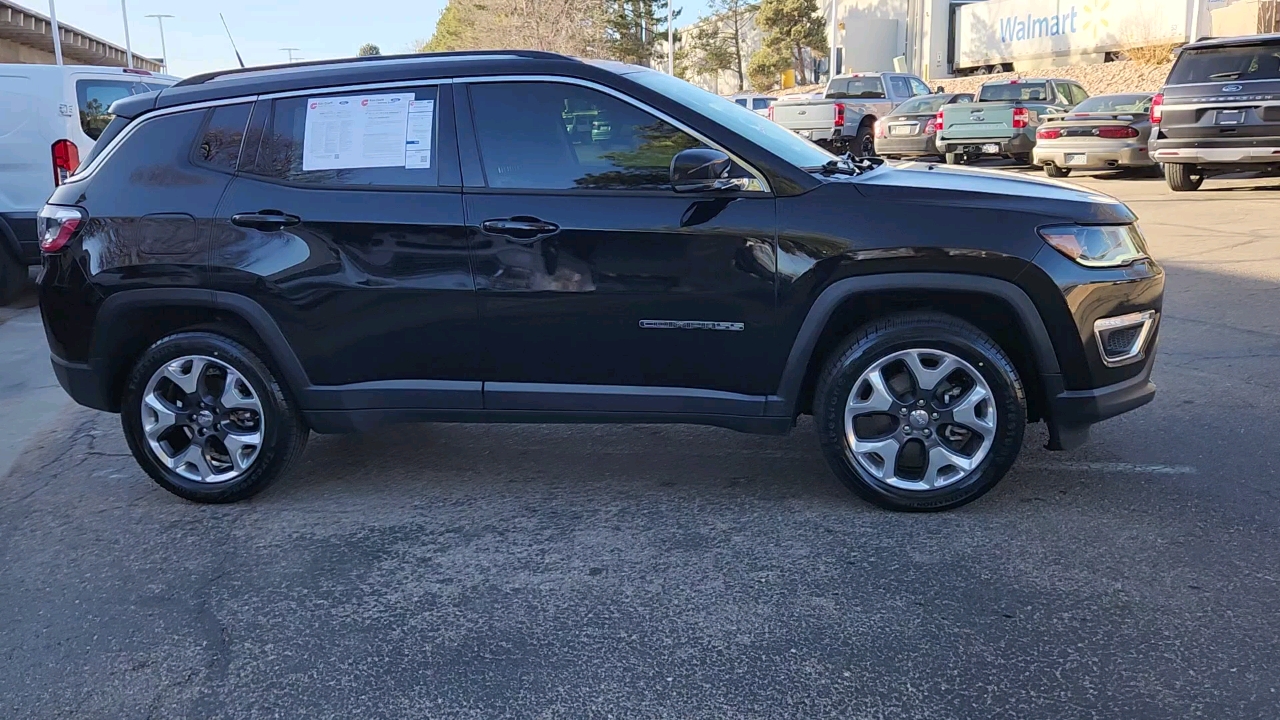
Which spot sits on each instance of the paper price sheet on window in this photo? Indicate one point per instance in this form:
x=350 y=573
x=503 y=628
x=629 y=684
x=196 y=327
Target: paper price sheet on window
x=368 y=131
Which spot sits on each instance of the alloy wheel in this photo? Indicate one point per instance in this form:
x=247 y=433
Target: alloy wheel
x=920 y=420
x=202 y=419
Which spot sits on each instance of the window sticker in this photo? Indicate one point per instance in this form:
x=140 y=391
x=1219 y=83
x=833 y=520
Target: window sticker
x=356 y=131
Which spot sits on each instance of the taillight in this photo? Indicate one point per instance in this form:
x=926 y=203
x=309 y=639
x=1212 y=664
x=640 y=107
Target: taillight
x=839 y=114
x=1021 y=118
x=769 y=112
x=931 y=127
x=939 y=118
x=1048 y=134
x=1116 y=132
x=1157 y=108
x=57 y=224
x=880 y=128
x=66 y=158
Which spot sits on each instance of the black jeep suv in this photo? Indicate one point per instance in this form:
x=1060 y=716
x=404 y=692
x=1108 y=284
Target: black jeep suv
x=1219 y=111
x=525 y=237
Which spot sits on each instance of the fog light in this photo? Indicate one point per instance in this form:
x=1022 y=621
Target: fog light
x=1123 y=339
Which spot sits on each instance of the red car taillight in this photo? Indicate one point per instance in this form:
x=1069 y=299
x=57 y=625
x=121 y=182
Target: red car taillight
x=1021 y=118
x=769 y=112
x=931 y=127
x=57 y=224
x=839 y=115
x=1048 y=134
x=1157 y=108
x=1116 y=132
x=66 y=158
x=880 y=131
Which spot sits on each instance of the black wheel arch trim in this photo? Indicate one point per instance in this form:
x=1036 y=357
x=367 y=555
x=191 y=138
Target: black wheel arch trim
x=118 y=307
x=820 y=313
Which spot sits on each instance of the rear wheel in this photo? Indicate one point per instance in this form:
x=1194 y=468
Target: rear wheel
x=1183 y=177
x=205 y=417
x=1022 y=158
x=864 y=145
x=920 y=412
x=13 y=277
x=1054 y=171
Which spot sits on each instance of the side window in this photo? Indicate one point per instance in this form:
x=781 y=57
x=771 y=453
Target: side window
x=95 y=97
x=899 y=87
x=570 y=137
x=741 y=101
x=219 y=144
x=761 y=104
x=1080 y=94
x=382 y=138
x=918 y=87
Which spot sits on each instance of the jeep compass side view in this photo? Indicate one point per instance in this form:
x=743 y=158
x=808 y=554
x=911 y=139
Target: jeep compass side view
x=511 y=236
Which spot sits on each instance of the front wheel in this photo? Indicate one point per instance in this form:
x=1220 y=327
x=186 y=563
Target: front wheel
x=920 y=412
x=207 y=420
x=1183 y=177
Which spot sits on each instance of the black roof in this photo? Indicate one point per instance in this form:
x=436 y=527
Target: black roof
x=1240 y=41
x=350 y=71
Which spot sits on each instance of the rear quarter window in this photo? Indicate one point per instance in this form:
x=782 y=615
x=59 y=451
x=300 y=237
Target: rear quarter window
x=223 y=134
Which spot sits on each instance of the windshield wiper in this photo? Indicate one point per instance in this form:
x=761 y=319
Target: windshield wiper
x=1225 y=75
x=847 y=164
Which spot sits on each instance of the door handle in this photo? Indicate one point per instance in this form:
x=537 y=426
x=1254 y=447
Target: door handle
x=520 y=228
x=265 y=220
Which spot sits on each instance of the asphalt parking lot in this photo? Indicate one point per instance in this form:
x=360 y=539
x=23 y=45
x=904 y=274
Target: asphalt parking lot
x=635 y=572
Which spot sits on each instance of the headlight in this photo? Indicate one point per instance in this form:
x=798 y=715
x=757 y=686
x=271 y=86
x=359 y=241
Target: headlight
x=1098 y=245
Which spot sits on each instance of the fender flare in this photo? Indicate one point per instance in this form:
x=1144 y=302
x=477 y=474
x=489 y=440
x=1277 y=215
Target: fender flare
x=118 y=307
x=820 y=312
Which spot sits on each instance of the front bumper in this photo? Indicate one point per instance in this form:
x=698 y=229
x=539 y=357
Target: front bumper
x=1072 y=412
x=1096 y=157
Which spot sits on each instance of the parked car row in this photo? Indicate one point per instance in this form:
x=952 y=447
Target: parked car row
x=1218 y=113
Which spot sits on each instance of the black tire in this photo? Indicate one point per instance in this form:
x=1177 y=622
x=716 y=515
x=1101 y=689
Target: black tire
x=954 y=158
x=284 y=434
x=13 y=277
x=1054 y=171
x=1183 y=177
x=1022 y=158
x=864 y=143
x=932 y=331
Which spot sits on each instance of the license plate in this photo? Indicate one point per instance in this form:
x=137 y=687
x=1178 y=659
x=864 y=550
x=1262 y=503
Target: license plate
x=806 y=134
x=1077 y=159
x=991 y=149
x=900 y=130
x=1230 y=117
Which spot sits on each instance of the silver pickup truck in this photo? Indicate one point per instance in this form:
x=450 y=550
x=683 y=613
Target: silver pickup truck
x=844 y=118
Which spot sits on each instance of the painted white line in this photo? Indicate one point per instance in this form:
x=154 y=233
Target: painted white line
x=1114 y=467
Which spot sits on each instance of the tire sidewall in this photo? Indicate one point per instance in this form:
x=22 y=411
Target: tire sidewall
x=277 y=433
x=982 y=354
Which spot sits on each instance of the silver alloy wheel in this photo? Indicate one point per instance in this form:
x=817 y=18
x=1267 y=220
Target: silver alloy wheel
x=202 y=419
x=920 y=419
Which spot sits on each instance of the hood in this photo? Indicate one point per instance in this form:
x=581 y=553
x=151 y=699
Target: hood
x=962 y=187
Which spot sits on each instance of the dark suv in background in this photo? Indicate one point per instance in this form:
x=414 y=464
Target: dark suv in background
x=254 y=255
x=1220 y=111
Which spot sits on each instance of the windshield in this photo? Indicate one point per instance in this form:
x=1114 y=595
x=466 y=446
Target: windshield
x=858 y=87
x=1014 y=91
x=1116 y=104
x=922 y=105
x=1227 y=64
x=763 y=132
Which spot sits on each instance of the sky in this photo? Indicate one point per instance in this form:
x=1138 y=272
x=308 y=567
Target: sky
x=320 y=29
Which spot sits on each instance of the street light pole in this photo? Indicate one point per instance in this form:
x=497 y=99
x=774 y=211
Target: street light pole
x=671 y=38
x=128 y=49
x=164 y=51
x=57 y=34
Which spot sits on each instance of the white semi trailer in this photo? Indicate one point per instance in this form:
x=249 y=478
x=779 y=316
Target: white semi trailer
x=999 y=35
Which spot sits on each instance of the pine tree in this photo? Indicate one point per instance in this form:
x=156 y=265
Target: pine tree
x=790 y=27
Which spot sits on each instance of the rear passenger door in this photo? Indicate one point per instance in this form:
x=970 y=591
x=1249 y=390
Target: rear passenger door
x=345 y=222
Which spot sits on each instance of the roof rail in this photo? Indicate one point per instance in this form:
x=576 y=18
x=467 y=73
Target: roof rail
x=528 y=54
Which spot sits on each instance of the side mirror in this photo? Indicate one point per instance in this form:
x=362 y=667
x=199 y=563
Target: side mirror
x=941 y=90
x=702 y=170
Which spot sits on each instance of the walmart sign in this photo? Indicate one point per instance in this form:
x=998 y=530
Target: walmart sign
x=1032 y=26
x=1011 y=31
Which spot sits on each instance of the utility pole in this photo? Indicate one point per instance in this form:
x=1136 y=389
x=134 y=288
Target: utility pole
x=57 y=34
x=291 y=51
x=1196 y=27
x=832 y=71
x=671 y=39
x=164 y=51
x=128 y=49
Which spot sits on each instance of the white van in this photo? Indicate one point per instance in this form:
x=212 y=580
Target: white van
x=50 y=116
